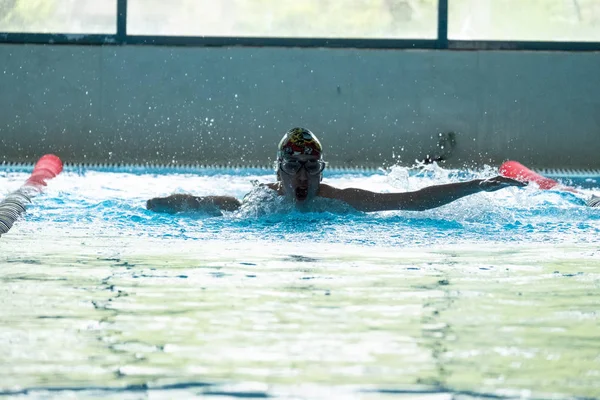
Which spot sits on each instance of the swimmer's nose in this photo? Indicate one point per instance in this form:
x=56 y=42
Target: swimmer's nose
x=302 y=175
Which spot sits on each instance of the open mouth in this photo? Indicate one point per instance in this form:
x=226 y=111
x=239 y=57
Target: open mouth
x=301 y=193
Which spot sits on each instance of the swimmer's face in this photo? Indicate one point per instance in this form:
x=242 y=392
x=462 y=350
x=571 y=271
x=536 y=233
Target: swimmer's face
x=300 y=177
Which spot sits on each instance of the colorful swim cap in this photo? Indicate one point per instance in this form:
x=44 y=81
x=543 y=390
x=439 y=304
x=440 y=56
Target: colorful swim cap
x=299 y=141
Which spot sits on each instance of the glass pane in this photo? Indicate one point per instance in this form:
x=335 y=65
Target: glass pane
x=543 y=20
x=285 y=18
x=59 y=16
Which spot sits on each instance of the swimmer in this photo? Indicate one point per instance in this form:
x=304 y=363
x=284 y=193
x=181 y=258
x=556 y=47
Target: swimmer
x=300 y=168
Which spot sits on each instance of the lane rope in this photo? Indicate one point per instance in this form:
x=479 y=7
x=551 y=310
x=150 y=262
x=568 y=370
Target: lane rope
x=14 y=204
x=516 y=170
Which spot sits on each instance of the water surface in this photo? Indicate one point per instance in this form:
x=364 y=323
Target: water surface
x=495 y=295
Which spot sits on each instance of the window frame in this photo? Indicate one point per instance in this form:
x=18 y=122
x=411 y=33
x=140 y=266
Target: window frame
x=440 y=43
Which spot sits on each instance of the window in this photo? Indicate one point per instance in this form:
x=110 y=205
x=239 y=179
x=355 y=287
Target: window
x=524 y=20
x=285 y=18
x=469 y=20
x=59 y=16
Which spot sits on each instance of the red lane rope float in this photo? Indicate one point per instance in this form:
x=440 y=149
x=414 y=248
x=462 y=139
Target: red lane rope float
x=13 y=206
x=516 y=170
x=46 y=168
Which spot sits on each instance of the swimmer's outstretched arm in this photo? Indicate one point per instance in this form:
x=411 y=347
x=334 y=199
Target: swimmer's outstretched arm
x=187 y=202
x=424 y=199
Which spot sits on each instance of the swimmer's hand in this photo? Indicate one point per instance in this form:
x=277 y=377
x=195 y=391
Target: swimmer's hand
x=171 y=204
x=175 y=203
x=499 y=182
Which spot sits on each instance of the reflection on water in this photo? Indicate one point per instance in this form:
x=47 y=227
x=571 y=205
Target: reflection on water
x=101 y=298
x=219 y=316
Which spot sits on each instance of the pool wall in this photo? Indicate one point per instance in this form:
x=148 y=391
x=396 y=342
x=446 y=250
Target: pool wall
x=229 y=106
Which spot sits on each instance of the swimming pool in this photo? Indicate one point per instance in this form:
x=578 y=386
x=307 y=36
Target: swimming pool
x=494 y=295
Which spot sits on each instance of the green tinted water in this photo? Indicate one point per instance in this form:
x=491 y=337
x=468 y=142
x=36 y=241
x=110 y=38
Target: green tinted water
x=128 y=317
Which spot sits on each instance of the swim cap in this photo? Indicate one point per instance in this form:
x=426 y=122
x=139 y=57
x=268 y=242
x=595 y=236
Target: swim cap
x=299 y=141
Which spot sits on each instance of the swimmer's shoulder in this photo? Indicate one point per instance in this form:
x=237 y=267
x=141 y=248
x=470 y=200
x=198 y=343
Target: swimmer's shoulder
x=259 y=190
x=327 y=191
x=276 y=186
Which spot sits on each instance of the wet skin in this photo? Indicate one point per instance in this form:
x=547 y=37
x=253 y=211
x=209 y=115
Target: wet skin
x=301 y=187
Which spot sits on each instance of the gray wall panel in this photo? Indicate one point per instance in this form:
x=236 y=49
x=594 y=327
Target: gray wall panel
x=230 y=106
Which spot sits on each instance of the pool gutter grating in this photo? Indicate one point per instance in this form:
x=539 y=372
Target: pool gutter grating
x=136 y=167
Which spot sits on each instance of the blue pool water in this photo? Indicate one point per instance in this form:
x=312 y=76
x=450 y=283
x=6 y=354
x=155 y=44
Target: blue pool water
x=115 y=200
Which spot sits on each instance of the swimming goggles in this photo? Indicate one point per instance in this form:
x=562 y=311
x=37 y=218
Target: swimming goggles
x=292 y=167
